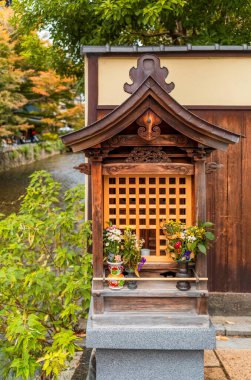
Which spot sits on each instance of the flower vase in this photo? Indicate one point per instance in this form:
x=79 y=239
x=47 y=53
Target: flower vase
x=183 y=272
x=131 y=284
x=116 y=271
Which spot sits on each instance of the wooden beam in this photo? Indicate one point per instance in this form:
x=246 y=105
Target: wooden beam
x=97 y=231
x=163 y=140
x=144 y=168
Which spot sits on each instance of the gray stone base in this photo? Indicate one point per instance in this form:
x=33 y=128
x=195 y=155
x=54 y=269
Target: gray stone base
x=230 y=304
x=149 y=365
x=149 y=346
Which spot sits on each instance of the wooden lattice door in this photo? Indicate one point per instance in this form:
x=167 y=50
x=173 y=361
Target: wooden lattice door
x=144 y=201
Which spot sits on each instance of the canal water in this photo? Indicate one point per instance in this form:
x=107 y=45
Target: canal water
x=14 y=181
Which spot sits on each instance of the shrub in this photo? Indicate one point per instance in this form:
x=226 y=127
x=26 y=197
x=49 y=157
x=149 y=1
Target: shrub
x=59 y=146
x=37 y=149
x=48 y=136
x=45 y=274
x=26 y=151
x=48 y=147
x=13 y=154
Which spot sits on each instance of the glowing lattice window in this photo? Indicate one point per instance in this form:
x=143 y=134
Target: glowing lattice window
x=144 y=201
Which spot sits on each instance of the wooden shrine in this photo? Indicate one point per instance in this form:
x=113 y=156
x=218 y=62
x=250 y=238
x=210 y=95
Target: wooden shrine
x=147 y=163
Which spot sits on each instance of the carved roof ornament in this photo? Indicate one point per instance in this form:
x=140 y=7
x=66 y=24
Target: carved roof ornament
x=149 y=129
x=83 y=168
x=212 y=167
x=148 y=154
x=148 y=66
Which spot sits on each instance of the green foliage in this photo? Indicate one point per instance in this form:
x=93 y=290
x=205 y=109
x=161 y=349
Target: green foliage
x=48 y=147
x=29 y=88
x=131 y=249
x=45 y=274
x=48 y=136
x=185 y=243
x=26 y=151
x=173 y=22
x=13 y=154
x=37 y=149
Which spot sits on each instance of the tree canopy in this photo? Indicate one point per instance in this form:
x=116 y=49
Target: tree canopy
x=168 y=22
x=31 y=92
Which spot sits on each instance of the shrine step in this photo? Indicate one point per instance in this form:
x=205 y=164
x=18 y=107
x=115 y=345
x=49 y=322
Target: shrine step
x=156 y=318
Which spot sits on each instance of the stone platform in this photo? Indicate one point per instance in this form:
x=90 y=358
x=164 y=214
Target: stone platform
x=148 y=345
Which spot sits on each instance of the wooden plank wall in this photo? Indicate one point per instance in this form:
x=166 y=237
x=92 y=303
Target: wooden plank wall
x=229 y=205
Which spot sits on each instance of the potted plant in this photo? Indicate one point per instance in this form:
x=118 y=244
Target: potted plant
x=185 y=244
x=131 y=255
x=113 y=256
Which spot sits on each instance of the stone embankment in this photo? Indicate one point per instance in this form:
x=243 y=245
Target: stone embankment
x=19 y=155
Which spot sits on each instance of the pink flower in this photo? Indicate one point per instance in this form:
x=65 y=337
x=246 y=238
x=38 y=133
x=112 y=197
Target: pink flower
x=117 y=258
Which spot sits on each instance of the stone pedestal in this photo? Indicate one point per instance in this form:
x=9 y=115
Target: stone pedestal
x=149 y=364
x=146 y=346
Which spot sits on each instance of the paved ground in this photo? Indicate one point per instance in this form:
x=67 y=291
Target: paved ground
x=232 y=326
x=230 y=361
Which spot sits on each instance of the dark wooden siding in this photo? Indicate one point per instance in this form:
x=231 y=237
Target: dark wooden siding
x=229 y=206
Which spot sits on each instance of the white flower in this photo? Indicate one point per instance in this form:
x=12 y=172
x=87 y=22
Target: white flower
x=191 y=239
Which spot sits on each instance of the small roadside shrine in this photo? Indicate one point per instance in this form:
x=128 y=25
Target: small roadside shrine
x=146 y=163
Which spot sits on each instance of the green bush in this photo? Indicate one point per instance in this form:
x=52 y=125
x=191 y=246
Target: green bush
x=59 y=146
x=48 y=147
x=45 y=275
x=50 y=136
x=26 y=151
x=37 y=149
x=13 y=154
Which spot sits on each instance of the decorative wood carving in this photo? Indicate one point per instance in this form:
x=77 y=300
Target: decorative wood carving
x=148 y=154
x=115 y=169
x=146 y=168
x=97 y=153
x=178 y=140
x=182 y=169
x=83 y=168
x=149 y=129
x=148 y=66
x=198 y=153
x=120 y=140
x=212 y=167
x=162 y=140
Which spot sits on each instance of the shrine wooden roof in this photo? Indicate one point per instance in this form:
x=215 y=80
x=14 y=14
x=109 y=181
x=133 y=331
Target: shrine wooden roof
x=149 y=91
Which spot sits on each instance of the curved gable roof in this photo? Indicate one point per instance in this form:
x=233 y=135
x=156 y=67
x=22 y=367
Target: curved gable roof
x=151 y=95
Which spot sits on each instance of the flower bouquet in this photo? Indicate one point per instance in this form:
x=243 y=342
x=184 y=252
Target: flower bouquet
x=184 y=244
x=131 y=255
x=112 y=251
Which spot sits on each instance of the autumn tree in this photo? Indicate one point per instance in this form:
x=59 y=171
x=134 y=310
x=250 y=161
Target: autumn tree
x=172 y=22
x=55 y=98
x=11 y=78
x=28 y=82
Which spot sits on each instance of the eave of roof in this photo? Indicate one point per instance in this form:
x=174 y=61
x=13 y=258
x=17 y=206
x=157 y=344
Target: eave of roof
x=108 y=49
x=166 y=107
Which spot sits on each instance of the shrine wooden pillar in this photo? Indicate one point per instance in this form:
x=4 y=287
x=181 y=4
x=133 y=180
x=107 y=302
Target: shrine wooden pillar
x=97 y=229
x=200 y=216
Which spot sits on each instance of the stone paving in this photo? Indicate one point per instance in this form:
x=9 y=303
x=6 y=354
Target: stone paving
x=230 y=361
x=232 y=326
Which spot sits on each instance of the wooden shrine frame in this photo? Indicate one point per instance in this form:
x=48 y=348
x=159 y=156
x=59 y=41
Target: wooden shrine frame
x=150 y=133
